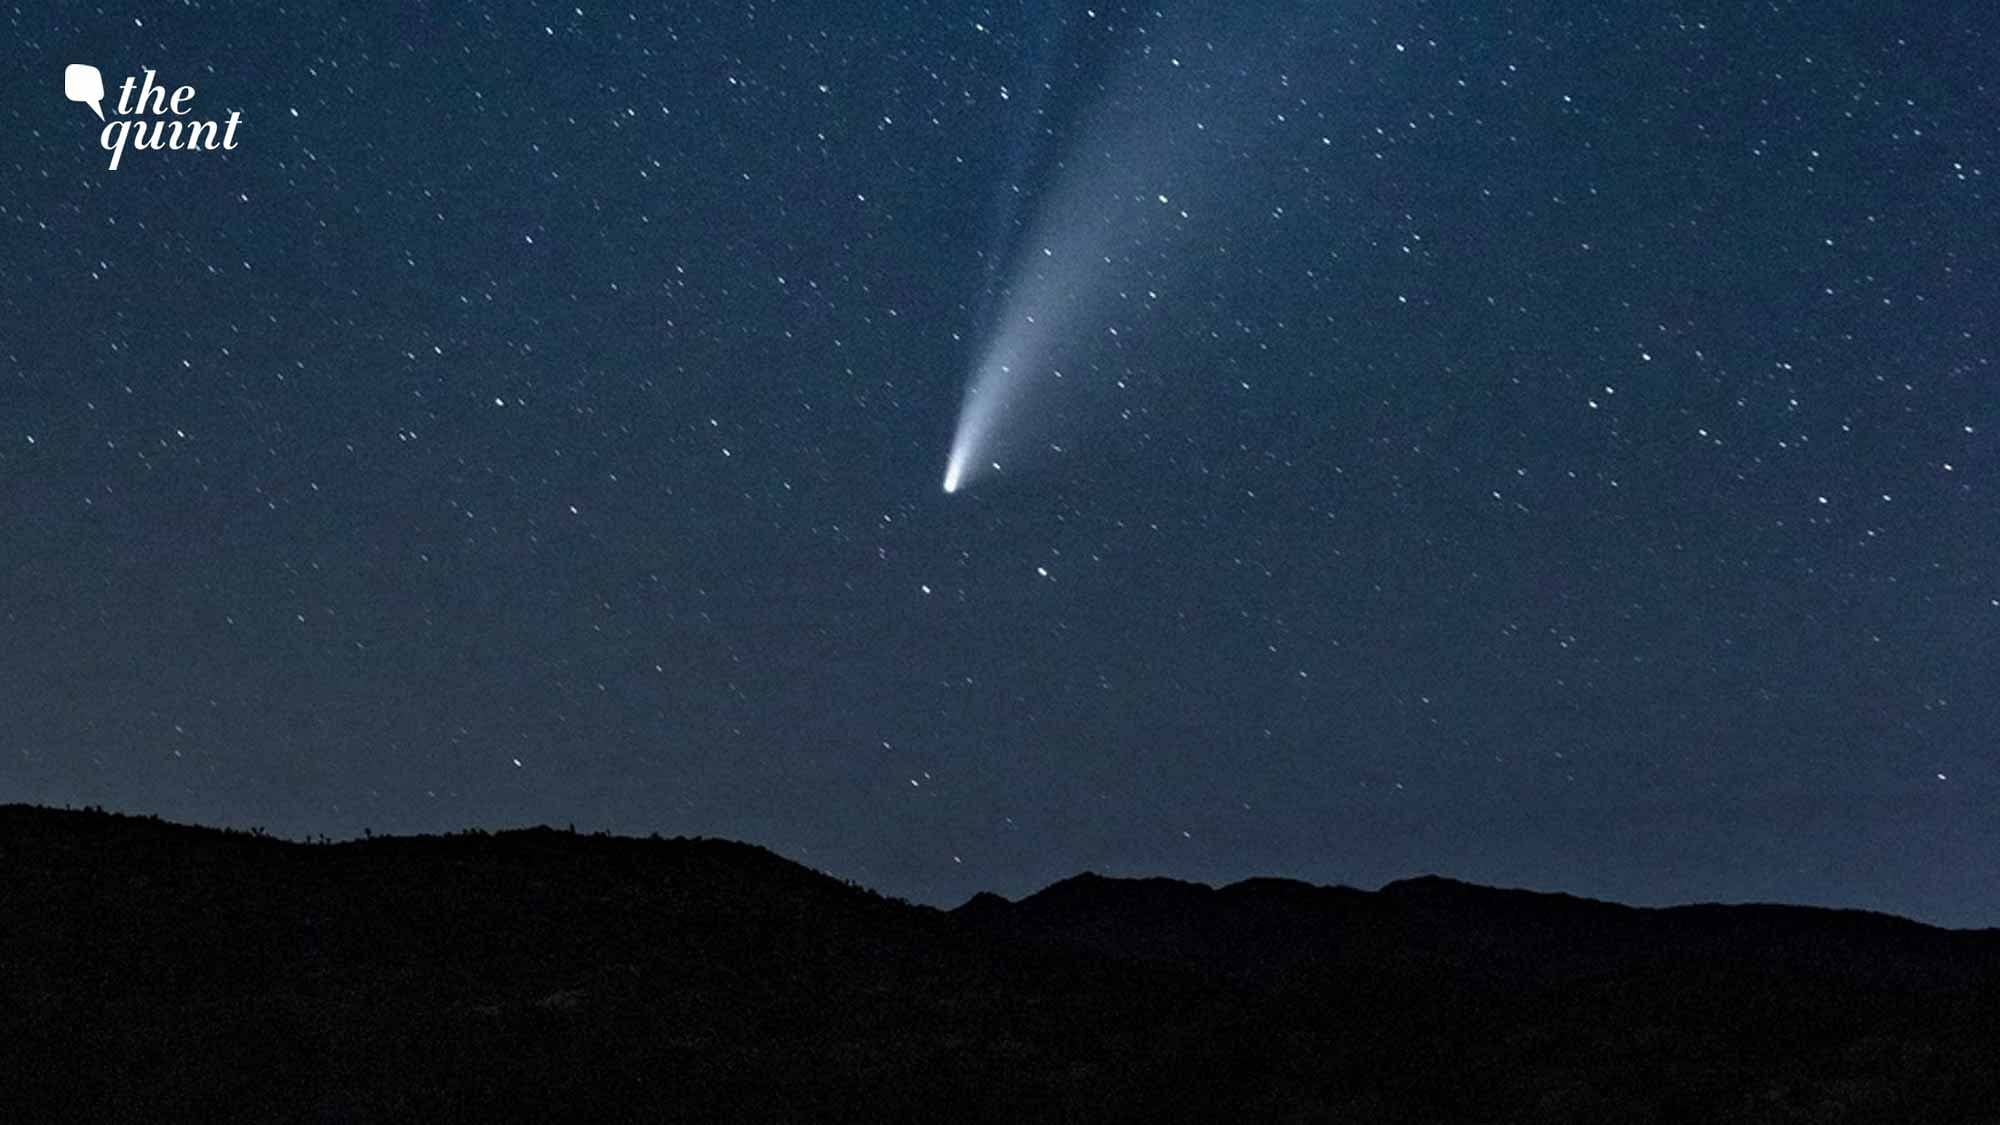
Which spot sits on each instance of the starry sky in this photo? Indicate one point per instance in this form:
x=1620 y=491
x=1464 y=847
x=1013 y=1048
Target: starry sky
x=1550 y=445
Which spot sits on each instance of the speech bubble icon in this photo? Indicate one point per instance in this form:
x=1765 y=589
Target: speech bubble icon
x=83 y=83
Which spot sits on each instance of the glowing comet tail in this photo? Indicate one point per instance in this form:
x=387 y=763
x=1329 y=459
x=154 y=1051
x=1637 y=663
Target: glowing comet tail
x=994 y=389
x=989 y=388
x=1115 y=220
x=1016 y=372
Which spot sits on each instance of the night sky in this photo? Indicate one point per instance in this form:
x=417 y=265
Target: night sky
x=1549 y=445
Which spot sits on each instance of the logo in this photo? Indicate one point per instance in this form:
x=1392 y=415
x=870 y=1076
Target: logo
x=149 y=118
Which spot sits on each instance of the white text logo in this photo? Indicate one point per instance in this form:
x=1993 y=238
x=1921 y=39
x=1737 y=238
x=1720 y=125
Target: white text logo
x=150 y=118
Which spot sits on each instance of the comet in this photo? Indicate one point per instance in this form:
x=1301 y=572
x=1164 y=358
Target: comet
x=1015 y=370
x=1112 y=228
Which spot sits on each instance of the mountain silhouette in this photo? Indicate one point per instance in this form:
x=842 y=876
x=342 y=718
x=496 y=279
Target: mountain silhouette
x=158 y=972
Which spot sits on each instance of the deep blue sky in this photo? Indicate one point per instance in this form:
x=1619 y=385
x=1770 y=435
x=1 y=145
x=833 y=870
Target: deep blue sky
x=1558 y=449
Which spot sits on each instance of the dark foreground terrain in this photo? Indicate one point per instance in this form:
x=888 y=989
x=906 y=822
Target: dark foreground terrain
x=154 y=972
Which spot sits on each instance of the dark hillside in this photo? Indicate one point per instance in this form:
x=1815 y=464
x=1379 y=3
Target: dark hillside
x=150 y=971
